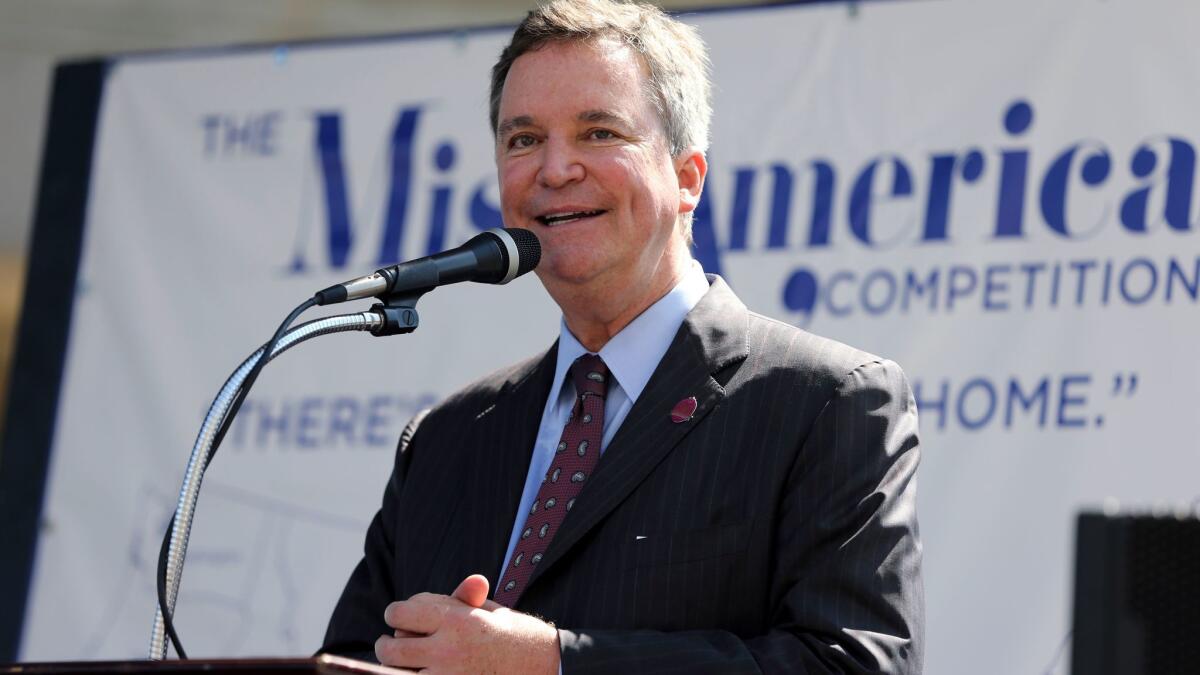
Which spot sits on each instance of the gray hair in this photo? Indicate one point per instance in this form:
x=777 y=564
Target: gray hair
x=673 y=52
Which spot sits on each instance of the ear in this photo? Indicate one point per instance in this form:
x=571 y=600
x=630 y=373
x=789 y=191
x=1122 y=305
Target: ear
x=690 y=170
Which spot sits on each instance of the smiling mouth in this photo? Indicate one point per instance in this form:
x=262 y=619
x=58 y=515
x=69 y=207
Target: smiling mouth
x=560 y=218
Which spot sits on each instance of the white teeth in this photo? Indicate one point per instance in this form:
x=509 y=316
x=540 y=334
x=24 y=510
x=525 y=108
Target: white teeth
x=568 y=217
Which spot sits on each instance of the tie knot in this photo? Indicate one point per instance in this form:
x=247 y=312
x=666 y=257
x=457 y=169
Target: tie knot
x=590 y=375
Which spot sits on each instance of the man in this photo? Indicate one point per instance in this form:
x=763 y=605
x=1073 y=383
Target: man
x=747 y=503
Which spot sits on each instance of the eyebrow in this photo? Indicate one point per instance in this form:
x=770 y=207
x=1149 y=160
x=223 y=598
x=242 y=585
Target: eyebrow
x=513 y=123
x=603 y=116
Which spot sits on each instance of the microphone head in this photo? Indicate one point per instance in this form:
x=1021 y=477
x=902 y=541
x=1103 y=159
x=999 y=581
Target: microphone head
x=529 y=249
x=520 y=249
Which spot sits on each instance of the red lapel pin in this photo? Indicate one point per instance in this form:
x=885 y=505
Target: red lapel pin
x=684 y=410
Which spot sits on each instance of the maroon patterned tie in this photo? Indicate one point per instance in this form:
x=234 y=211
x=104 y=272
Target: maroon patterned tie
x=574 y=459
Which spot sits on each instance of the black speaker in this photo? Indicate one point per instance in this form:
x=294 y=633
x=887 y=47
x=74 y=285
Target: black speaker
x=1137 y=595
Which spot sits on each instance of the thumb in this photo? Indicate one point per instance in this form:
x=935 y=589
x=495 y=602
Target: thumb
x=473 y=590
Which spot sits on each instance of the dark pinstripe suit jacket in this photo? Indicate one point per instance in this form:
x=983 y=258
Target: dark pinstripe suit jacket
x=775 y=531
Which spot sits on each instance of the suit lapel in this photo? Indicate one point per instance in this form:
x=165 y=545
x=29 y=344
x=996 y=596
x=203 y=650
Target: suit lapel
x=712 y=337
x=502 y=444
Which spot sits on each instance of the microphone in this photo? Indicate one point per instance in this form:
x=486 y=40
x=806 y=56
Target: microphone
x=496 y=256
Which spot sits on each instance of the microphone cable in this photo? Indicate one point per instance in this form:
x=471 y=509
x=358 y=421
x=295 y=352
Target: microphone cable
x=168 y=623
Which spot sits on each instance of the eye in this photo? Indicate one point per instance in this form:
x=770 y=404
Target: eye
x=521 y=141
x=601 y=134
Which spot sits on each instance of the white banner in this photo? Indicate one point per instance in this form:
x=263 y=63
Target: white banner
x=998 y=195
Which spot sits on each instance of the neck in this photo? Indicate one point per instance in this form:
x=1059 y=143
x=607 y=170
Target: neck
x=594 y=313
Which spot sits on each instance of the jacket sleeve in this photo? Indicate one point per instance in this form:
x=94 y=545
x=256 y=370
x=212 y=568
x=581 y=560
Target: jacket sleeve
x=357 y=619
x=847 y=592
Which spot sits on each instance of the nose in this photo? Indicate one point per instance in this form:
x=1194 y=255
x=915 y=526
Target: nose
x=561 y=164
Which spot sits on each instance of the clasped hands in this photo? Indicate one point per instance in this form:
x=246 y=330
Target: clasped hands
x=465 y=632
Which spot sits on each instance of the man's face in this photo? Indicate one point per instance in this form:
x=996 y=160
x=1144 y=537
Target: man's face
x=583 y=162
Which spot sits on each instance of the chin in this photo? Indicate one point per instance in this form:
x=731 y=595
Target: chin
x=566 y=271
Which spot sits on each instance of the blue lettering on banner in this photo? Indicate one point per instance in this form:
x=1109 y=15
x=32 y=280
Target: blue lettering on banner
x=403 y=167
x=941 y=177
x=1044 y=402
x=252 y=135
x=1083 y=165
x=322 y=423
x=1018 y=401
x=1014 y=164
x=1072 y=398
x=980 y=395
x=999 y=287
x=1071 y=196
x=1179 y=178
x=862 y=195
x=340 y=226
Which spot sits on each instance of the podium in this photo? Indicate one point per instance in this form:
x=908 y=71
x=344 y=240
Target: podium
x=321 y=665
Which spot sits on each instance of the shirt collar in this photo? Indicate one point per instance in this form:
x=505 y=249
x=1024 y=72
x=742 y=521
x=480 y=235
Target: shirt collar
x=633 y=354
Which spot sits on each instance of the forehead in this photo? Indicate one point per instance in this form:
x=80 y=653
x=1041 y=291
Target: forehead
x=565 y=77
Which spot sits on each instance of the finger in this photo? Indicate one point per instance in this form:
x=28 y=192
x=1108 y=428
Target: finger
x=491 y=605
x=473 y=590
x=415 y=617
x=406 y=633
x=403 y=652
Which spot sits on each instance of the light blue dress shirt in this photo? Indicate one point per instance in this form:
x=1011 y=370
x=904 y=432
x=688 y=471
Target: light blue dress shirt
x=631 y=357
